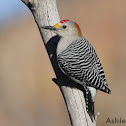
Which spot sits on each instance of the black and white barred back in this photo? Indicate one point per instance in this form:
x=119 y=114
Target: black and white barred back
x=80 y=62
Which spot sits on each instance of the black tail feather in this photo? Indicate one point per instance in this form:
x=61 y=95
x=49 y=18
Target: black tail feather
x=89 y=104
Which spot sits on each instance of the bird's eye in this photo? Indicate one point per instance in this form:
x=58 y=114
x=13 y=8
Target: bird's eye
x=64 y=26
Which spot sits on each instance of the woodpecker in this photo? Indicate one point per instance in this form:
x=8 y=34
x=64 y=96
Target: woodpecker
x=77 y=59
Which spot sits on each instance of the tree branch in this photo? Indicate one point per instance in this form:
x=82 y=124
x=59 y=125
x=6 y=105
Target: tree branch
x=45 y=13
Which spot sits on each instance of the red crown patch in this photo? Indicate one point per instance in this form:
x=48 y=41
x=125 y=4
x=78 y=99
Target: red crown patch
x=63 y=21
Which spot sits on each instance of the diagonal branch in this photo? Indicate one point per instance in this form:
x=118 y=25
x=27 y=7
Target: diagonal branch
x=45 y=13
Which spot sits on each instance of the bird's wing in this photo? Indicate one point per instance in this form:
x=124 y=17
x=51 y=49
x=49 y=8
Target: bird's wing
x=80 y=62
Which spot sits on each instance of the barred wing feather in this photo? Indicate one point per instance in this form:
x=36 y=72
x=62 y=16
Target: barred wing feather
x=80 y=62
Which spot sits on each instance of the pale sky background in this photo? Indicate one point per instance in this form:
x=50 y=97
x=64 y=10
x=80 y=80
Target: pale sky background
x=12 y=11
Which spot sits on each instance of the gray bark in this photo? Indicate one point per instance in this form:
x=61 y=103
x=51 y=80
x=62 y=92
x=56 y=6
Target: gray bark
x=45 y=13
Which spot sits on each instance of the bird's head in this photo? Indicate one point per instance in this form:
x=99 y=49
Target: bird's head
x=65 y=28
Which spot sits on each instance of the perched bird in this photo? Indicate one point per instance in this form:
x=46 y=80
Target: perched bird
x=77 y=58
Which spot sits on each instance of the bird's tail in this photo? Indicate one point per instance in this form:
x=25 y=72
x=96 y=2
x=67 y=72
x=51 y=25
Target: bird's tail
x=89 y=104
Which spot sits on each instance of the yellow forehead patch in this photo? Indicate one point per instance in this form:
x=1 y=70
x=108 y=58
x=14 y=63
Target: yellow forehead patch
x=78 y=29
x=57 y=25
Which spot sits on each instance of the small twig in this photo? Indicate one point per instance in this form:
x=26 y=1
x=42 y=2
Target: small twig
x=97 y=115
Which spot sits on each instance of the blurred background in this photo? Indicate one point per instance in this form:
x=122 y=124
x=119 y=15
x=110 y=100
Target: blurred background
x=28 y=97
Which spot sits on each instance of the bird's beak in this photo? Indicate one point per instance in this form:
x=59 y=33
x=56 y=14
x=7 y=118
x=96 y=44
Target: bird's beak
x=50 y=28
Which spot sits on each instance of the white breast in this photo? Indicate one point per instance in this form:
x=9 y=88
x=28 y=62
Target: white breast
x=64 y=43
